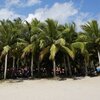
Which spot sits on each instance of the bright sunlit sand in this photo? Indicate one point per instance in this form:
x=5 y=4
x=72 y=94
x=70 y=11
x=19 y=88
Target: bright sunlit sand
x=83 y=89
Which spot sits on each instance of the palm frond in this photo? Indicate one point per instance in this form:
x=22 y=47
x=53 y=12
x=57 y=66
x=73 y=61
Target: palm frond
x=27 y=50
x=60 y=42
x=5 y=50
x=78 y=45
x=44 y=52
x=53 y=51
x=68 y=52
x=91 y=28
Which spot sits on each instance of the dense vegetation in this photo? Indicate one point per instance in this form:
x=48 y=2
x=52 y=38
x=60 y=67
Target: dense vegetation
x=48 y=49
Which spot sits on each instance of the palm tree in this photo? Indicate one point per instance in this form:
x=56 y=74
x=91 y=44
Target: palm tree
x=69 y=34
x=29 y=41
x=10 y=31
x=7 y=40
x=80 y=47
x=52 y=42
x=18 y=29
x=38 y=40
x=92 y=31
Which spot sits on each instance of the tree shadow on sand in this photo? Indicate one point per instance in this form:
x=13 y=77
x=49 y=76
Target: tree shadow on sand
x=15 y=80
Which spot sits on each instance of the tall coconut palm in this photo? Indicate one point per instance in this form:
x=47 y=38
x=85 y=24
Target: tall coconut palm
x=53 y=43
x=7 y=40
x=92 y=31
x=81 y=47
x=29 y=41
x=18 y=28
x=69 y=34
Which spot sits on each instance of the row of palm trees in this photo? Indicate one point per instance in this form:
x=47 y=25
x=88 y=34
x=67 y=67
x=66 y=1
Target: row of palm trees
x=49 y=44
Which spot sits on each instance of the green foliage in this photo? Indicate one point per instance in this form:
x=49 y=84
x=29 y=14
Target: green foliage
x=78 y=45
x=60 y=42
x=43 y=53
x=27 y=49
x=53 y=51
x=68 y=51
x=91 y=28
x=5 y=50
x=49 y=39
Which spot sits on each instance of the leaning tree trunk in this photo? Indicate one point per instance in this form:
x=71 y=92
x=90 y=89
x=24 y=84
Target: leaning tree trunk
x=54 y=68
x=32 y=66
x=69 y=67
x=65 y=65
x=5 y=69
x=99 y=57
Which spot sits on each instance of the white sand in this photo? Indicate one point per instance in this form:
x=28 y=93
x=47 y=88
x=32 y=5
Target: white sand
x=84 y=89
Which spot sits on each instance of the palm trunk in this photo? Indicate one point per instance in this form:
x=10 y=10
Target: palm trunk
x=86 y=70
x=13 y=66
x=69 y=67
x=17 y=63
x=65 y=65
x=92 y=65
x=54 y=68
x=13 y=62
x=38 y=69
x=99 y=57
x=32 y=66
x=5 y=70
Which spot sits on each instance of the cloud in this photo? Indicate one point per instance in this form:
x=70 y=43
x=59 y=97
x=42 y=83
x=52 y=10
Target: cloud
x=62 y=12
x=21 y=3
x=59 y=11
x=12 y=2
x=82 y=18
x=9 y=3
x=7 y=14
x=97 y=17
x=32 y=2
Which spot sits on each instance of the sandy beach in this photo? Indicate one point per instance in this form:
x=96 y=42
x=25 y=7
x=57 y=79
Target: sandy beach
x=43 y=89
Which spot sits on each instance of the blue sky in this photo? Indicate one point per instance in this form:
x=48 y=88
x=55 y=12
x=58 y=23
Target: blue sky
x=63 y=11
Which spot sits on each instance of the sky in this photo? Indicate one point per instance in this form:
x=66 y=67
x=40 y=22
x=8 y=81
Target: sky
x=64 y=11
